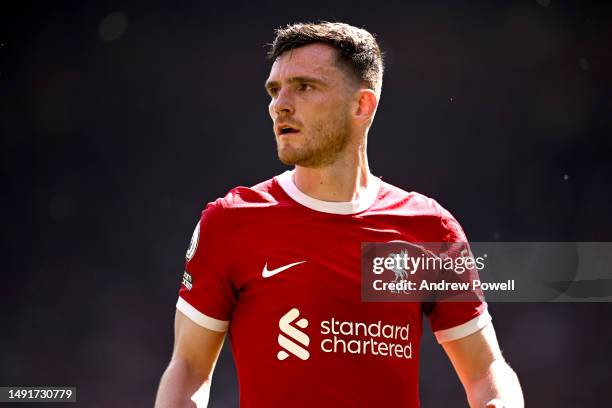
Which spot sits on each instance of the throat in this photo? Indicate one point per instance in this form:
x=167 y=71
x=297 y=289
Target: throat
x=325 y=185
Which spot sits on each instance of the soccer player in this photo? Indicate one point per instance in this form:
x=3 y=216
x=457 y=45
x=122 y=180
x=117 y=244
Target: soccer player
x=277 y=265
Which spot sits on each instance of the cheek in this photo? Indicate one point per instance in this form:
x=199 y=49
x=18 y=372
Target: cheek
x=333 y=113
x=317 y=110
x=334 y=106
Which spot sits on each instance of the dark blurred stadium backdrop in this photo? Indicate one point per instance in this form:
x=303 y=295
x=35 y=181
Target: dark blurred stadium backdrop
x=120 y=120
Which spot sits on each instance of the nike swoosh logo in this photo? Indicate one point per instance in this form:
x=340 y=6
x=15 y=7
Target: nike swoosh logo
x=267 y=273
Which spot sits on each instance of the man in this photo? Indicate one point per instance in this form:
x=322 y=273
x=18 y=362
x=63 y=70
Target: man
x=277 y=265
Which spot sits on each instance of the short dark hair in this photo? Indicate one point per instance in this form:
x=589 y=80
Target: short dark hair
x=357 y=48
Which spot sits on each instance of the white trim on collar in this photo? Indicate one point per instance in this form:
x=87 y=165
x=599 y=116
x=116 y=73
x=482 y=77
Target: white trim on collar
x=285 y=180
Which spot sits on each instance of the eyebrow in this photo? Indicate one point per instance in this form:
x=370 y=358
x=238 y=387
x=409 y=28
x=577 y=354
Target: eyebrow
x=293 y=80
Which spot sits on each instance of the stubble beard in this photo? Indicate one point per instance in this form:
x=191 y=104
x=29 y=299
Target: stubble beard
x=322 y=143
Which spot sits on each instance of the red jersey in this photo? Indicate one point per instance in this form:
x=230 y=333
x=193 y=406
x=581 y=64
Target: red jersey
x=281 y=272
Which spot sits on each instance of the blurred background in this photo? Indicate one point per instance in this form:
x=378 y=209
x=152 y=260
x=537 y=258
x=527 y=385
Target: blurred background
x=119 y=121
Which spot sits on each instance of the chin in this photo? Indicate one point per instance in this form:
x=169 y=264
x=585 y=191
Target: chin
x=286 y=157
x=290 y=156
x=286 y=161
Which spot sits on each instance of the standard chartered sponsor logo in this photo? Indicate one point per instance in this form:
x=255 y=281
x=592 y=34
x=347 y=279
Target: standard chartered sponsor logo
x=287 y=342
x=378 y=339
x=344 y=337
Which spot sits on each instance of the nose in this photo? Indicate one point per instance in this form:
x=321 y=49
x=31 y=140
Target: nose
x=282 y=104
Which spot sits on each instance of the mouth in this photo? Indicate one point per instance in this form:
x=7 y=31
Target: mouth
x=282 y=130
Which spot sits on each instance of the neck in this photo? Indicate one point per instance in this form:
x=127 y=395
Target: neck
x=344 y=180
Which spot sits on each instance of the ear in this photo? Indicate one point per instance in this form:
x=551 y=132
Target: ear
x=366 y=105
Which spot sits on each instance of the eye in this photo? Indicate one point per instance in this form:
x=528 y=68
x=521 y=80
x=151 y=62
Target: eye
x=305 y=87
x=272 y=91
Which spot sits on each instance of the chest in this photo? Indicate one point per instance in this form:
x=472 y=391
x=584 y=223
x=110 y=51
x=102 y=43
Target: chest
x=310 y=263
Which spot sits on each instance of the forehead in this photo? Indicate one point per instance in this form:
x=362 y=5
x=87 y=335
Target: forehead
x=310 y=60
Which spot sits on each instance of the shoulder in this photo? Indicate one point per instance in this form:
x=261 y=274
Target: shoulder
x=225 y=214
x=414 y=204
x=262 y=195
x=410 y=202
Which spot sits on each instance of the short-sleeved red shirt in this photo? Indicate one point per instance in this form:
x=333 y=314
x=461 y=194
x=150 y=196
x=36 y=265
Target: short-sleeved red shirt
x=281 y=271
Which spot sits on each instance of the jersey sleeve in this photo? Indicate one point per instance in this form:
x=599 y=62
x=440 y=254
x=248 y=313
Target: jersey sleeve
x=452 y=320
x=206 y=294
